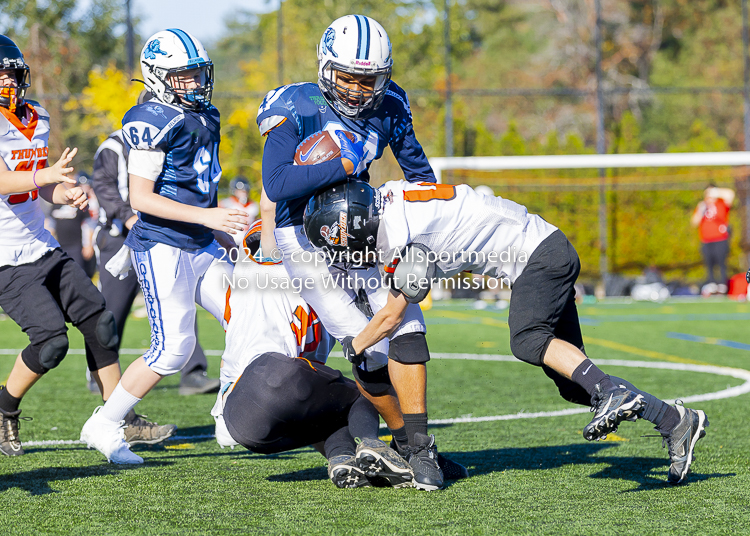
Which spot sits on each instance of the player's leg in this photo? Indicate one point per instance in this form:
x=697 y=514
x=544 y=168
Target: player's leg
x=169 y=281
x=408 y=356
x=119 y=294
x=25 y=299
x=547 y=333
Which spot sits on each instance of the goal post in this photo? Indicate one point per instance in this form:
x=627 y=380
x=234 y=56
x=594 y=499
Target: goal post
x=617 y=179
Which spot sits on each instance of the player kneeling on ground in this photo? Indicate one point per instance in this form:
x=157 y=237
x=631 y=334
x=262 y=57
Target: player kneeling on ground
x=41 y=288
x=428 y=231
x=277 y=393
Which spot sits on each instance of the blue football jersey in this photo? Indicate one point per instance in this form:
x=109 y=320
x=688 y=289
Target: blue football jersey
x=306 y=111
x=191 y=171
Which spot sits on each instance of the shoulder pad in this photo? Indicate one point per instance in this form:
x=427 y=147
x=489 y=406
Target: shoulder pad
x=146 y=125
x=40 y=110
x=291 y=102
x=411 y=272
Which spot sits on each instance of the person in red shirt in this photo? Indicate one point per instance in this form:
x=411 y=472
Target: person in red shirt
x=711 y=217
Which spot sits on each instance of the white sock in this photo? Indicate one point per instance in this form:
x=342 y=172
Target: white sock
x=118 y=405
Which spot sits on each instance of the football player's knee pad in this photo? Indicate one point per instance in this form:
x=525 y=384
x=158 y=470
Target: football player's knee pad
x=409 y=349
x=375 y=382
x=106 y=330
x=47 y=355
x=529 y=345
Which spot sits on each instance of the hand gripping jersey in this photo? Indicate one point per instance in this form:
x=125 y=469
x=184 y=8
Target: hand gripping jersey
x=190 y=174
x=269 y=316
x=305 y=107
x=465 y=230
x=23 y=238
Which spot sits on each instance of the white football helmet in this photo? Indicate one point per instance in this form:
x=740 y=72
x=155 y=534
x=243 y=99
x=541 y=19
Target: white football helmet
x=356 y=45
x=168 y=53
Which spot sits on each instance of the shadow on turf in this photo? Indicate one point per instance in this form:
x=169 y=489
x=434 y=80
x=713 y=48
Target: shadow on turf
x=648 y=473
x=37 y=481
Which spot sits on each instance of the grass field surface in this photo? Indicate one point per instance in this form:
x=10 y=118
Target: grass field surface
x=528 y=475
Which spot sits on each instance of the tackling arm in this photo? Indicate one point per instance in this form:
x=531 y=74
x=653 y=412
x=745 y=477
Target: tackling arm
x=383 y=323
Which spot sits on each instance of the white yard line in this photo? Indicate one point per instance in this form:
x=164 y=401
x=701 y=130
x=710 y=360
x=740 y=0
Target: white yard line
x=729 y=392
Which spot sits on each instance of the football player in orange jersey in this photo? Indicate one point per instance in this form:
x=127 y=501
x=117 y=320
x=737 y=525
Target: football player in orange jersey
x=40 y=286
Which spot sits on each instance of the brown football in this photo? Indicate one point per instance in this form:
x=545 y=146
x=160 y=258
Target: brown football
x=319 y=147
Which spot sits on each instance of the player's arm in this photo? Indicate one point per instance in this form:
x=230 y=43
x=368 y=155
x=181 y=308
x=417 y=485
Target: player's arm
x=106 y=187
x=268 y=217
x=19 y=182
x=282 y=180
x=411 y=157
x=383 y=323
x=727 y=194
x=144 y=167
x=700 y=210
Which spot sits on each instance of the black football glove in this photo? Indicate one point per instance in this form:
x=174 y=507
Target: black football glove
x=349 y=353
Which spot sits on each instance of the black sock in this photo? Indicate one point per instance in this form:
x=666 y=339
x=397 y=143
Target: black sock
x=654 y=410
x=364 y=420
x=588 y=376
x=338 y=443
x=8 y=402
x=413 y=423
x=401 y=438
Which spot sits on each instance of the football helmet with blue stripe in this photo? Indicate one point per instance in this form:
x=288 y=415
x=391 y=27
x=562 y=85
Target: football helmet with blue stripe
x=177 y=70
x=354 y=65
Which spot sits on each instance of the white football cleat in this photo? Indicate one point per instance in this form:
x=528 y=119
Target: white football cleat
x=108 y=437
x=223 y=438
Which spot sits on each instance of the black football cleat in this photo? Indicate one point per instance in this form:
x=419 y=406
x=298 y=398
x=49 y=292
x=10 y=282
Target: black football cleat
x=451 y=470
x=10 y=443
x=423 y=458
x=611 y=409
x=681 y=442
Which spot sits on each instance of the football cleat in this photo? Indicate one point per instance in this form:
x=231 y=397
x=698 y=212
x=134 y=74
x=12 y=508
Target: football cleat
x=378 y=460
x=10 y=443
x=611 y=409
x=139 y=431
x=108 y=437
x=423 y=458
x=198 y=383
x=681 y=442
x=451 y=470
x=344 y=471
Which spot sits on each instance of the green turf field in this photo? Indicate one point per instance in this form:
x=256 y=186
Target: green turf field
x=529 y=476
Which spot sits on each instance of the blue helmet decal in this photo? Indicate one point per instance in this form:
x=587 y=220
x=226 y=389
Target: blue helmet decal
x=328 y=39
x=152 y=49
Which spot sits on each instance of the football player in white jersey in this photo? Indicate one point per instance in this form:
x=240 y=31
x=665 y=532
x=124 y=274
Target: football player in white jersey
x=424 y=232
x=277 y=392
x=40 y=286
x=174 y=173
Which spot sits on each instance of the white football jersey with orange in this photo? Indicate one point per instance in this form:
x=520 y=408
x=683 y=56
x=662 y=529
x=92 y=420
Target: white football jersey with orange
x=267 y=315
x=23 y=147
x=467 y=231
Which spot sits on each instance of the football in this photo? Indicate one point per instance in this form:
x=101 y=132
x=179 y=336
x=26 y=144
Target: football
x=321 y=146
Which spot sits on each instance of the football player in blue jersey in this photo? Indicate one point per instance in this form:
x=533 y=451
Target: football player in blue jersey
x=354 y=93
x=174 y=174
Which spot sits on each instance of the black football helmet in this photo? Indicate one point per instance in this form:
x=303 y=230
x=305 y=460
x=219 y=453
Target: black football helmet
x=11 y=59
x=344 y=218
